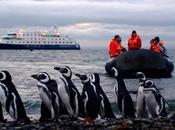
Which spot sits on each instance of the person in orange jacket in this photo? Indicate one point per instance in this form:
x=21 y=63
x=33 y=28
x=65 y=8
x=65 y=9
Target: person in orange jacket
x=115 y=47
x=157 y=46
x=134 y=42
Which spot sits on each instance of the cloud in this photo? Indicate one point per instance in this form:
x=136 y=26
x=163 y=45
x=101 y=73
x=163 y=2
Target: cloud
x=71 y=11
x=94 y=21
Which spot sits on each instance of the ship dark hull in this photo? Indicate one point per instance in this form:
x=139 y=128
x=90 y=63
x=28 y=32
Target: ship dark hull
x=153 y=64
x=39 y=47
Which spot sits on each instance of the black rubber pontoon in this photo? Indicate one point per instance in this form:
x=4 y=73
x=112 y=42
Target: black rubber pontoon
x=151 y=63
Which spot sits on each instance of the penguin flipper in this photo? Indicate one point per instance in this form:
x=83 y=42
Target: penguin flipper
x=1 y=114
x=8 y=102
x=55 y=104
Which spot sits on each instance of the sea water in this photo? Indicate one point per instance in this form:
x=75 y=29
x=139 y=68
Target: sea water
x=23 y=63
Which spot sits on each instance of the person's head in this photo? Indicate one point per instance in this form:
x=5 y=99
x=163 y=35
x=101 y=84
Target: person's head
x=117 y=38
x=134 y=33
x=157 y=39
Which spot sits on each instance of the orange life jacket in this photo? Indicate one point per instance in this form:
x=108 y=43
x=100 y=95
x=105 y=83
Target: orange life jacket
x=155 y=46
x=134 y=43
x=115 y=48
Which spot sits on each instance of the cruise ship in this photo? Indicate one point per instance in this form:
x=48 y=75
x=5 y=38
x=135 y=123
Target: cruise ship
x=40 y=40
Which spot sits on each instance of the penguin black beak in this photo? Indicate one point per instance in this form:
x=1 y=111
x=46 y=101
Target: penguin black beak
x=81 y=76
x=34 y=76
x=62 y=70
x=57 y=68
x=77 y=75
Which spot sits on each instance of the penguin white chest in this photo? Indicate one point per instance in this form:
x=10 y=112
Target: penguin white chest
x=3 y=96
x=140 y=104
x=151 y=103
x=45 y=96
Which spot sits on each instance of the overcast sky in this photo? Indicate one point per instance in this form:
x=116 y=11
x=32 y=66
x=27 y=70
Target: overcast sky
x=94 y=22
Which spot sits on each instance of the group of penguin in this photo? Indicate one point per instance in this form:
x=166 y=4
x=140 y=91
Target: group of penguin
x=61 y=97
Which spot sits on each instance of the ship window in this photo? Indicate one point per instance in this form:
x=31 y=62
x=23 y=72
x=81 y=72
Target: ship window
x=27 y=42
x=44 y=42
x=63 y=42
x=60 y=42
x=30 y=42
x=23 y=42
x=27 y=34
x=51 y=42
x=7 y=41
x=11 y=41
x=63 y=38
x=35 y=42
x=19 y=42
x=55 y=38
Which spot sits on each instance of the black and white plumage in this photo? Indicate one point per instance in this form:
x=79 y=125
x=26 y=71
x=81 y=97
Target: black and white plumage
x=89 y=97
x=67 y=94
x=10 y=98
x=105 y=106
x=155 y=102
x=74 y=95
x=49 y=95
x=140 y=102
x=125 y=103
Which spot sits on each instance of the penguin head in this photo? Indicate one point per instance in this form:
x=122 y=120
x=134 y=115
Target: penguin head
x=95 y=78
x=83 y=77
x=149 y=84
x=5 y=76
x=42 y=77
x=115 y=71
x=141 y=75
x=66 y=71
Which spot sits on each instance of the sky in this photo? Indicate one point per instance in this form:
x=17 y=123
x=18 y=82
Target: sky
x=94 y=22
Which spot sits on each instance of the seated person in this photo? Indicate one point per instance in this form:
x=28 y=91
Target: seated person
x=115 y=47
x=157 y=46
x=134 y=42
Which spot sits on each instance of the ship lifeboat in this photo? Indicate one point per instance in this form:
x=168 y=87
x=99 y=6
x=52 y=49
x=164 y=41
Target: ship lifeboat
x=153 y=64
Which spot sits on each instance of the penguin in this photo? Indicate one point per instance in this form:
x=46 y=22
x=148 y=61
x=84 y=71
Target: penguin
x=105 y=106
x=89 y=97
x=67 y=94
x=140 y=101
x=49 y=95
x=125 y=103
x=3 y=97
x=11 y=99
x=75 y=97
x=155 y=102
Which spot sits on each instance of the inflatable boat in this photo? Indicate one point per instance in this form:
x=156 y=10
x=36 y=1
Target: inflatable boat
x=153 y=64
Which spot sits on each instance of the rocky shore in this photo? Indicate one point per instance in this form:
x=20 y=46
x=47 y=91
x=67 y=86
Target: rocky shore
x=111 y=124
